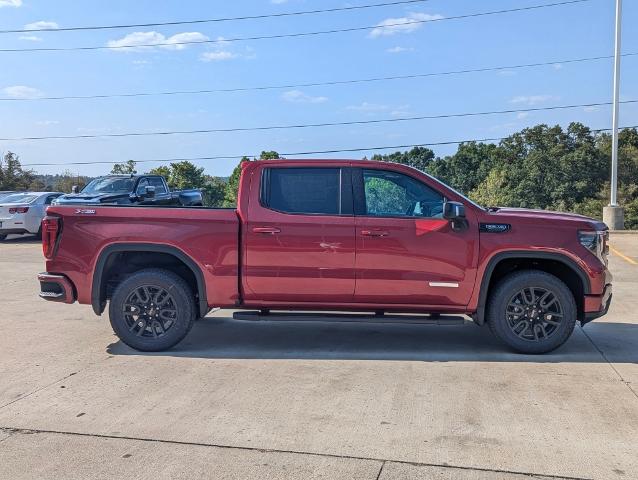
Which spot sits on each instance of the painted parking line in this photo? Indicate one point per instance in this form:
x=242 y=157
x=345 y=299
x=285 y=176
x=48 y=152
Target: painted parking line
x=623 y=256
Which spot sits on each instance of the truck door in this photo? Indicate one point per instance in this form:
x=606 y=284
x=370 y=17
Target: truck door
x=406 y=252
x=299 y=240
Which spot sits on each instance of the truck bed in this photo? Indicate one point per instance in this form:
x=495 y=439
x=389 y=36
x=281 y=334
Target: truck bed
x=208 y=236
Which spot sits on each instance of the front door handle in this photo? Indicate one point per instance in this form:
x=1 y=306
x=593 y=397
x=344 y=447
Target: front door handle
x=374 y=233
x=266 y=230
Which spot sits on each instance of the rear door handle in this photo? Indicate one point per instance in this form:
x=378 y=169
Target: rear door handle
x=266 y=230
x=374 y=233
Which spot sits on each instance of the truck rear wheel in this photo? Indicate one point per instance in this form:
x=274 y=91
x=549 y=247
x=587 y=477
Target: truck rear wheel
x=532 y=311
x=152 y=310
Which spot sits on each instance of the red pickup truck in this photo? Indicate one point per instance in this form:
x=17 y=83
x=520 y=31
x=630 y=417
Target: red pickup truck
x=347 y=235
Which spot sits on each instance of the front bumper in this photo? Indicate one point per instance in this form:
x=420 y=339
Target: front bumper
x=56 y=288
x=597 y=305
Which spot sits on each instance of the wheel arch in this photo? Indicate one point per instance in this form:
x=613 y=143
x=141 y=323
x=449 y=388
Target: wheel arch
x=108 y=255
x=556 y=264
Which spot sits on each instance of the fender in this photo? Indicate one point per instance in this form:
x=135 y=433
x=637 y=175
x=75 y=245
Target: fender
x=98 y=290
x=479 y=317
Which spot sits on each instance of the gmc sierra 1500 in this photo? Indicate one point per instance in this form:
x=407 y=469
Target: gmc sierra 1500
x=349 y=235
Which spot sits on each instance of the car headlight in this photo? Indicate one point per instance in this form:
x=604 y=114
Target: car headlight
x=596 y=242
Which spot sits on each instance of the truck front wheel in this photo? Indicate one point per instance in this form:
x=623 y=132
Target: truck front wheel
x=532 y=311
x=152 y=310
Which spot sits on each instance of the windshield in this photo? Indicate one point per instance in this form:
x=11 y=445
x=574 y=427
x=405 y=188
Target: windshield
x=19 y=198
x=110 y=185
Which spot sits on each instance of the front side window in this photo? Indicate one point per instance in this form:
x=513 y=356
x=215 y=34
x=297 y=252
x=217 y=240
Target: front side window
x=303 y=190
x=141 y=187
x=392 y=194
x=158 y=183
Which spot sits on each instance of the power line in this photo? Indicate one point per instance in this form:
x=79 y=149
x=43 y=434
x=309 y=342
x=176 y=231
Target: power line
x=317 y=84
x=294 y=35
x=312 y=125
x=215 y=20
x=315 y=152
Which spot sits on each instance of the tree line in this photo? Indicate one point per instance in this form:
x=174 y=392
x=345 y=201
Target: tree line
x=545 y=167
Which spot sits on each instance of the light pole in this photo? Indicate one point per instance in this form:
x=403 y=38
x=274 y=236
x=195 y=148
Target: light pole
x=613 y=215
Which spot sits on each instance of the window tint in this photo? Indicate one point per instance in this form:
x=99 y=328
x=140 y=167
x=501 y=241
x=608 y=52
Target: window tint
x=157 y=182
x=303 y=190
x=50 y=198
x=391 y=194
x=141 y=186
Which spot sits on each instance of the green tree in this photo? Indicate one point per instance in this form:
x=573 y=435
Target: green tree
x=128 y=168
x=12 y=175
x=232 y=187
x=214 y=191
x=67 y=180
x=418 y=157
x=185 y=175
x=468 y=167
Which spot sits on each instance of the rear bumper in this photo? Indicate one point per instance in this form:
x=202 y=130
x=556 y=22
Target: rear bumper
x=597 y=305
x=56 y=288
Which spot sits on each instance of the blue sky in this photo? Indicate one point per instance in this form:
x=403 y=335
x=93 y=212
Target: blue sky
x=580 y=30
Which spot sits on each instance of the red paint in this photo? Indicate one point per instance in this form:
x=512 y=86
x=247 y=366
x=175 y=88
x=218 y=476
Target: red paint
x=345 y=262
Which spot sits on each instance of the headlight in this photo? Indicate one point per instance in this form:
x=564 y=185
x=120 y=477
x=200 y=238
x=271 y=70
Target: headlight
x=596 y=242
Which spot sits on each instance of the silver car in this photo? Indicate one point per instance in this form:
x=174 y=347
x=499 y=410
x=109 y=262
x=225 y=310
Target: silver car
x=22 y=212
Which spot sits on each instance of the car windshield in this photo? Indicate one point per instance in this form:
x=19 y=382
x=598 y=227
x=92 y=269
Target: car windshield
x=19 y=198
x=110 y=185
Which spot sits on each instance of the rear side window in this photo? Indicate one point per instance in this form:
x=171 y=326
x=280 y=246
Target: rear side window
x=302 y=190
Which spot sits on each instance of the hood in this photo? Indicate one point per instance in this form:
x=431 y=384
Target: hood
x=73 y=198
x=544 y=216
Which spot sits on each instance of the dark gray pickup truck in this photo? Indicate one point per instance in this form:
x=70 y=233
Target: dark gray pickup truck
x=131 y=190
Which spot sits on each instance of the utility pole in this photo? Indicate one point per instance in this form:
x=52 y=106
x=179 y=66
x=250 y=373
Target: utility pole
x=613 y=215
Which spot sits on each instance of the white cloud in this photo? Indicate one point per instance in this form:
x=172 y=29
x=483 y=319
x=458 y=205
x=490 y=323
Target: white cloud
x=409 y=24
x=137 y=40
x=297 y=96
x=30 y=38
x=590 y=109
x=278 y=2
x=45 y=123
x=41 y=25
x=368 y=107
x=522 y=115
x=21 y=91
x=507 y=73
x=558 y=66
x=532 y=100
x=217 y=56
x=399 y=49
x=173 y=42
x=10 y=3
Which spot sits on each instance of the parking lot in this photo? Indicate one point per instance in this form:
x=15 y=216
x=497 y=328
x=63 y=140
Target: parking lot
x=242 y=399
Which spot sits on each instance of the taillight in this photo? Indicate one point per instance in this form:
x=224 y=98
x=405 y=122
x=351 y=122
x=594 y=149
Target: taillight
x=50 y=230
x=13 y=210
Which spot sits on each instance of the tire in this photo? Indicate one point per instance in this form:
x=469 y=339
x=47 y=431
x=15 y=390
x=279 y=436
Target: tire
x=160 y=299
x=3 y=237
x=519 y=317
x=38 y=234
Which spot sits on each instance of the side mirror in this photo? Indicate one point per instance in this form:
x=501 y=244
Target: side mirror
x=75 y=189
x=149 y=191
x=455 y=212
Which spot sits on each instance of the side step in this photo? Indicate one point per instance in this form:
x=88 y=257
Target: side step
x=349 y=317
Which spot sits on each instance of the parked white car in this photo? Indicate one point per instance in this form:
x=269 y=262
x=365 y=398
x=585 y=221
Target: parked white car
x=22 y=212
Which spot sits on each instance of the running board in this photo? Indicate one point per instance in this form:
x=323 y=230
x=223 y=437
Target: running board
x=349 y=317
